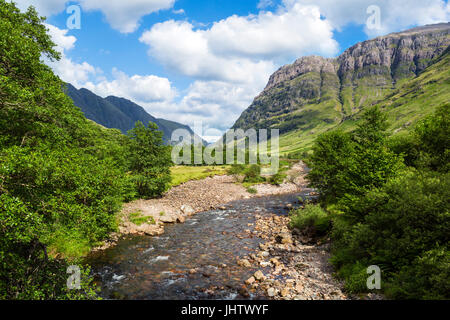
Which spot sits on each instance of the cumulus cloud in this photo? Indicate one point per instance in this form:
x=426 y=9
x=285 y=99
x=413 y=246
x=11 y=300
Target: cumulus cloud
x=395 y=15
x=231 y=61
x=68 y=70
x=142 y=89
x=215 y=104
x=239 y=47
x=123 y=16
x=44 y=7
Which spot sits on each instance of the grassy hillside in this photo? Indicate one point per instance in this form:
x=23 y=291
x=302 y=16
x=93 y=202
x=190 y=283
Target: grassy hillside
x=411 y=101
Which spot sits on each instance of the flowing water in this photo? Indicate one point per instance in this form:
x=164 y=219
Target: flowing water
x=141 y=267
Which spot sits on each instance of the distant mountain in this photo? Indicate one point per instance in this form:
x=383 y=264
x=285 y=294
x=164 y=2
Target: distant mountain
x=119 y=113
x=405 y=73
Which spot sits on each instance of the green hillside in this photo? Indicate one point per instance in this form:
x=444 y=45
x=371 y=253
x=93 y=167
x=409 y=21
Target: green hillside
x=406 y=73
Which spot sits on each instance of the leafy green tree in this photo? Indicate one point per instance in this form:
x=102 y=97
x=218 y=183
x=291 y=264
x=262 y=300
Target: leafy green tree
x=344 y=165
x=62 y=177
x=150 y=160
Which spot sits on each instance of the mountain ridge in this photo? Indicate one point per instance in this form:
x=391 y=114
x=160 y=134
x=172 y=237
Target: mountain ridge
x=314 y=94
x=119 y=113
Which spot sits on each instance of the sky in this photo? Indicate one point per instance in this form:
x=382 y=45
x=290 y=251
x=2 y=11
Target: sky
x=204 y=61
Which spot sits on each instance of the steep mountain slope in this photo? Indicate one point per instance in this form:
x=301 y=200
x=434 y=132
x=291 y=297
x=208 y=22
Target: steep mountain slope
x=315 y=94
x=118 y=113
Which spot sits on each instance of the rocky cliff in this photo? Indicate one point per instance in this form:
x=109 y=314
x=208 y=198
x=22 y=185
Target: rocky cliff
x=314 y=93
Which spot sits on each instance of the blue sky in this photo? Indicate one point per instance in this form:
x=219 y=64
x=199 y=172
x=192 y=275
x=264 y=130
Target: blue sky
x=205 y=60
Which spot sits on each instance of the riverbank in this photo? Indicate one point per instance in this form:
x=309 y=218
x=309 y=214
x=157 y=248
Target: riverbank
x=193 y=197
x=293 y=266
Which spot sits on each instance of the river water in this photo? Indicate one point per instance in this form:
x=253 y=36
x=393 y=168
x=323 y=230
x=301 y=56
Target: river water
x=141 y=267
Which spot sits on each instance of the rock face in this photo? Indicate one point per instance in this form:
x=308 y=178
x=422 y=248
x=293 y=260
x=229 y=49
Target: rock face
x=315 y=91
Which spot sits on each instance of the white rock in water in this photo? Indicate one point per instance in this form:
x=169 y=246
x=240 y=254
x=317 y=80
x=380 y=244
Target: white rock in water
x=187 y=209
x=271 y=292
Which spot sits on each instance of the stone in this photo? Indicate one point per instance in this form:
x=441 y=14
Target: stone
x=271 y=292
x=284 y=292
x=168 y=219
x=284 y=238
x=250 y=281
x=187 y=210
x=259 y=275
x=244 y=263
x=181 y=219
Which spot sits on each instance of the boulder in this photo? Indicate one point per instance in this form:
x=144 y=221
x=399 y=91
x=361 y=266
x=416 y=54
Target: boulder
x=187 y=210
x=259 y=275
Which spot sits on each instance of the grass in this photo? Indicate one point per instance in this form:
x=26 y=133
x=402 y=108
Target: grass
x=182 y=174
x=138 y=219
x=252 y=190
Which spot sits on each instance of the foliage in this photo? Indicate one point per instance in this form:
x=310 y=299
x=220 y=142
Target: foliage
x=252 y=190
x=150 y=160
x=138 y=219
x=385 y=213
x=253 y=174
x=350 y=164
x=277 y=178
x=312 y=220
x=62 y=178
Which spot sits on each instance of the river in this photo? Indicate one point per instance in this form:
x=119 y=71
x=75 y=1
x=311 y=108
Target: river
x=193 y=260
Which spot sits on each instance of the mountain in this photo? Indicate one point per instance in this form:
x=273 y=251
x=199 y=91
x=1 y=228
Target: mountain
x=118 y=113
x=406 y=73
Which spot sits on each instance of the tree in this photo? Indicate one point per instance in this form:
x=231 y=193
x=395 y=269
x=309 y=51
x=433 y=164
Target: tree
x=344 y=165
x=150 y=160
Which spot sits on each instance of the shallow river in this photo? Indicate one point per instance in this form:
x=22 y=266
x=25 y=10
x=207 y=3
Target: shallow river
x=141 y=267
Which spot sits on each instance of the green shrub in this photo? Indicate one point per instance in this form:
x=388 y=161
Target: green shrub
x=353 y=163
x=236 y=169
x=312 y=219
x=253 y=174
x=277 y=178
x=395 y=227
x=252 y=190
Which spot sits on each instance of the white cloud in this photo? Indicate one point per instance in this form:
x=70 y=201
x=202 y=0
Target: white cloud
x=395 y=15
x=240 y=47
x=66 y=68
x=216 y=104
x=122 y=15
x=231 y=61
x=263 y=4
x=44 y=7
x=180 y=48
x=142 y=89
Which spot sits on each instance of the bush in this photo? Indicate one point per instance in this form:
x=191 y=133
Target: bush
x=312 y=220
x=353 y=163
x=277 y=178
x=394 y=227
x=253 y=174
x=252 y=190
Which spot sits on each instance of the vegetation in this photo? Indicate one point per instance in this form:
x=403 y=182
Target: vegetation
x=389 y=206
x=138 y=219
x=183 y=174
x=312 y=220
x=62 y=178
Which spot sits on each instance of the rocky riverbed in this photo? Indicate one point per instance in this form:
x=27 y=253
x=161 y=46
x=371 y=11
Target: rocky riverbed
x=196 y=196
